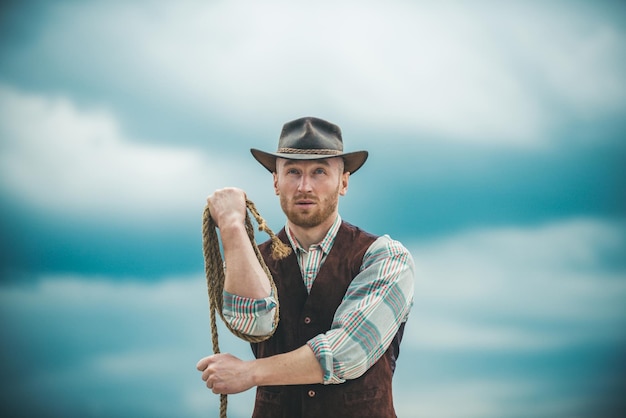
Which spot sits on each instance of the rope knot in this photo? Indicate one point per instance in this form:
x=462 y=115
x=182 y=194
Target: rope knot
x=279 y=249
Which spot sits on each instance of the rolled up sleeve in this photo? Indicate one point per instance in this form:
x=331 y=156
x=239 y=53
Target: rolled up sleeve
x=376 y=303
x=250 y=316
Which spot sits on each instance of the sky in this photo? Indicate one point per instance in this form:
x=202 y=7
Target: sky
x=496 y=134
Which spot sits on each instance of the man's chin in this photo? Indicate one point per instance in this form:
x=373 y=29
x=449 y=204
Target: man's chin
x=305 y=222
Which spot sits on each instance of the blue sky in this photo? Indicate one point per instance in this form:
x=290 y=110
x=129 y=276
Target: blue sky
x=497 y=156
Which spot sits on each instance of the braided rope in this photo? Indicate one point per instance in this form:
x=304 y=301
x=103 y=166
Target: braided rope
x=214 y=272
x=316 y=151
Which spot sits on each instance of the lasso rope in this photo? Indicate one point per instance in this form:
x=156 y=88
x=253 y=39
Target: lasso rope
x=214 y=271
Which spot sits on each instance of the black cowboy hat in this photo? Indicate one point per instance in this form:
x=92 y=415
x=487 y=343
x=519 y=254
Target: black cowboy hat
x=310 y=139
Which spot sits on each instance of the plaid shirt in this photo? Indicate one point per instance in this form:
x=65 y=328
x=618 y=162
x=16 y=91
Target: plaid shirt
x=377 y=301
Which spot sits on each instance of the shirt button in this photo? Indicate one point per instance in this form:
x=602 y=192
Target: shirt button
x=311 y=393
x=307 y=320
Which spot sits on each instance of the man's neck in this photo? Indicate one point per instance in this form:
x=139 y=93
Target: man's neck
x=310 y=236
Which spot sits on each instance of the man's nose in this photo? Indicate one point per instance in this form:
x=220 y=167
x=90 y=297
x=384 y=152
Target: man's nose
x=305 y=184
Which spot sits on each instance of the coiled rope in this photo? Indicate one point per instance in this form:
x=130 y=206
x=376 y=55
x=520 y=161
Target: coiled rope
x=214 y=271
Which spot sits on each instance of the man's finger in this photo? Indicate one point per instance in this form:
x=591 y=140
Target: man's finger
x=203 y=363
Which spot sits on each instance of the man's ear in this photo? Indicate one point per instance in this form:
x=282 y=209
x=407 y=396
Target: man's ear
x=345 y=179
x=275 y=176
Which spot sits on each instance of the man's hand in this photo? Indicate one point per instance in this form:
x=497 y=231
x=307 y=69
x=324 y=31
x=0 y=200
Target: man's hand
x=225 y=373
x=228 y=205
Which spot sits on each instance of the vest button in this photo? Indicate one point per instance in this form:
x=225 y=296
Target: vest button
x=311 y=393
x=307 y=320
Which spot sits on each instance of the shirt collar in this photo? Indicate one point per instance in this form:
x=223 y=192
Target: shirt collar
x=325 y=244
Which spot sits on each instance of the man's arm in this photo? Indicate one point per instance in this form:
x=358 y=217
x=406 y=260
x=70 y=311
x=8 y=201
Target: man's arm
x=244 y=275
x=226 y=374
x=376 y=303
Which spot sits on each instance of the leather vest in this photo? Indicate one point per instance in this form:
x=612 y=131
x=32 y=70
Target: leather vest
x=302 y=317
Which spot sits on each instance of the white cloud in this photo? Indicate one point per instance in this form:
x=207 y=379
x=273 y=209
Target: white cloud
x=432 y=332
x=79 y=163
x=519 y=289
x=498 y=397
x=480 y=73
x=479 y=399
x=579 y=57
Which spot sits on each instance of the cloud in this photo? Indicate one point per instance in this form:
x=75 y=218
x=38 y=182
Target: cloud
x=550 y=286
x=508 y=74
x=79 y=163
x=496 y=397
x=577 y=53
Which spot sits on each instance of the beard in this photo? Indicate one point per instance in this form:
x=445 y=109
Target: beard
x=312 y=217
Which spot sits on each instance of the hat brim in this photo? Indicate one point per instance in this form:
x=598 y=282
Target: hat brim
x=352 y=160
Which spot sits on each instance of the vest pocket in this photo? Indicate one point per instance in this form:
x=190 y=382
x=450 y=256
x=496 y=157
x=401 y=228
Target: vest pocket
x=360 y=396
x=269 y=396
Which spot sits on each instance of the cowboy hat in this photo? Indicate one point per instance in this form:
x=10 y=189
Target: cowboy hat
x=310 y=139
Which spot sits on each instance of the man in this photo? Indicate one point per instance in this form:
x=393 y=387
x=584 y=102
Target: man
x=344 y=295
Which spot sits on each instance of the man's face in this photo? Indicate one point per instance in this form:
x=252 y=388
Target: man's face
x=309 y=190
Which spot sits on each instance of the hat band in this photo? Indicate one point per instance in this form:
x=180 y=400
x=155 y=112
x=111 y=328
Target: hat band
x=308 y=151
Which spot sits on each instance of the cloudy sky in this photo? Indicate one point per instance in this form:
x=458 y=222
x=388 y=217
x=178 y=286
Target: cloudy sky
x=496 y=134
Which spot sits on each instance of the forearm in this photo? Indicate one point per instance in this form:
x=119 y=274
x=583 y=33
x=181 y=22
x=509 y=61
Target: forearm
x=224 y=373
x=244 y=275
x=297 y=367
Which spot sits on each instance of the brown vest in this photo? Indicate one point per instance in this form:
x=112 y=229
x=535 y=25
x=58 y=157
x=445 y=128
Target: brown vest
x=302 y=317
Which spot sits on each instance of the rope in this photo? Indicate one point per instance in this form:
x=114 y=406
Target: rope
x=214 y=271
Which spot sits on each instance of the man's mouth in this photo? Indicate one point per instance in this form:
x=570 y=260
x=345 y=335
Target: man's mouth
x=304 y=202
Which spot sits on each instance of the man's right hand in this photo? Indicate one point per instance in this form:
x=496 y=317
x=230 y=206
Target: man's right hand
x=228 y=206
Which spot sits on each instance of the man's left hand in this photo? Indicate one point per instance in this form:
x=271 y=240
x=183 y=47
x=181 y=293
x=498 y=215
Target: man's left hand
x=225 y=373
